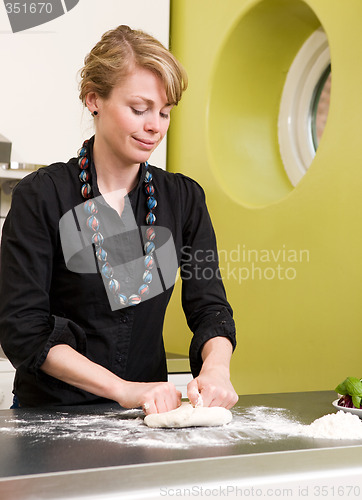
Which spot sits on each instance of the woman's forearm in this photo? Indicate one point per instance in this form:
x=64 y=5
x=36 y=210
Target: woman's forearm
x=217 y=352
x=66 y=364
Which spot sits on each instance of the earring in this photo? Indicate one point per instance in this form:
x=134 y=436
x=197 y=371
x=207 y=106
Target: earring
x=95 y=113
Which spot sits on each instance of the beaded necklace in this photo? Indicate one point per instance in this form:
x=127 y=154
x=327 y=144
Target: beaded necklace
x=91 y=209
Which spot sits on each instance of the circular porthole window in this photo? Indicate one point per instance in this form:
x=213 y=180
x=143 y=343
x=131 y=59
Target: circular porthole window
x=320 y=106
x=304 y=105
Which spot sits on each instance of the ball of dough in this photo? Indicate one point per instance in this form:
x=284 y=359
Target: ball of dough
x=188 y=416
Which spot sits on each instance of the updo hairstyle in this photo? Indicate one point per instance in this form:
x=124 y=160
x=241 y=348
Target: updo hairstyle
x=117 y=54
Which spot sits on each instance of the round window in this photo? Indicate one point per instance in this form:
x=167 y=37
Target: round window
x=304 y=105
x=320 y=106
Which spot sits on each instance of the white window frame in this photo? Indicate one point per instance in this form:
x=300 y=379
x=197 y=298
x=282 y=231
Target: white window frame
x=295 y=114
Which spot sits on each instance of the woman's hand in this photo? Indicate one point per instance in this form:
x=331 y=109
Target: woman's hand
x=214 y=387
x=153 y=397
x=213 y=382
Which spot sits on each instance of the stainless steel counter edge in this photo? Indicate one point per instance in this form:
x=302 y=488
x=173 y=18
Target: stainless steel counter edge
x=294 y=470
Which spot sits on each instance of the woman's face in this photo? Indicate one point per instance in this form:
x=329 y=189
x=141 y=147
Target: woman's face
x=133 y=120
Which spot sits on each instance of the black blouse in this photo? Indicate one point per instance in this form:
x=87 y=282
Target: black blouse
x=51 y=290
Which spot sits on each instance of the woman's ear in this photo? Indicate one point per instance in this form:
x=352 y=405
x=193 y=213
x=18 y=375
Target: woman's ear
x=91 y=101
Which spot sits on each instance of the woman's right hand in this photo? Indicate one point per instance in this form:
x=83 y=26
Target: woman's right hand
x=153 y=397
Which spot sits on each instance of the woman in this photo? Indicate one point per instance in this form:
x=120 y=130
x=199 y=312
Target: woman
x=79 y=333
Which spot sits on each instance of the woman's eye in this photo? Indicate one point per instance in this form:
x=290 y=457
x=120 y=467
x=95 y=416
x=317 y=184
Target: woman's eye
x=164 y=115
x=138 y=112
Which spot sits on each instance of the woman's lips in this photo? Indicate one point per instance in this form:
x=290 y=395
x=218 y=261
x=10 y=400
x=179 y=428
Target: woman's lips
x=145 y=143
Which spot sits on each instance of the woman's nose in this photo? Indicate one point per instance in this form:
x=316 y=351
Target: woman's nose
x=153 y=122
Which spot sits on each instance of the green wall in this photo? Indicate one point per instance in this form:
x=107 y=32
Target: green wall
x=291 y=257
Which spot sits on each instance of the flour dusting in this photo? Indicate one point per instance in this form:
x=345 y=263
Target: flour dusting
x=249 y=426
x=338 y=425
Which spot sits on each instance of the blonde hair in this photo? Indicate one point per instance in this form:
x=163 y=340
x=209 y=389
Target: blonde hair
x=116 y=55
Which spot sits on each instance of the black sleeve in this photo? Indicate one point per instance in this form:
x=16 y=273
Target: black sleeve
x=29 y=241
x=204 y=301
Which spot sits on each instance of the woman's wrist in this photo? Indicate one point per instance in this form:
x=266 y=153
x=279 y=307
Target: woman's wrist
x=116 y=389
x=216 y=354
x=220 y=368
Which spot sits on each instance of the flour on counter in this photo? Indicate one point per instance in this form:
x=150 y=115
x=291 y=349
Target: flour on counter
x=338 y=425
x=249 y=426
x=275 y=422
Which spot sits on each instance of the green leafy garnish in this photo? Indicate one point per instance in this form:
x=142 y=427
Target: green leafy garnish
x=352 y=386
x=356 y=400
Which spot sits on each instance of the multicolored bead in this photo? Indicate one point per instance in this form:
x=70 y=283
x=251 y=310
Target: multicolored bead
x=147 y=276
x=149 y=189
x=90 y=207
x=148 y=176
x=150 y=218
x=83 y=162
x=151 y=203
x=149 y=247
x=101 y=254
x=84 y=175
x=144 y=290
x=122 y=299
x=107 y=270
x=86 y=190
x=133 y=300
x=97 y=239
x=114 y=286
x=82 y=151
x=149 y=262
x=150 y=233
x=93 y=223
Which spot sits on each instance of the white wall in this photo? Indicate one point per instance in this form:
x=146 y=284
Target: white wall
x=40 y=110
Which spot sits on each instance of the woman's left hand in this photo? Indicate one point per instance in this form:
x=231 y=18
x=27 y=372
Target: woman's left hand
x=214 y=387
x=213 y=383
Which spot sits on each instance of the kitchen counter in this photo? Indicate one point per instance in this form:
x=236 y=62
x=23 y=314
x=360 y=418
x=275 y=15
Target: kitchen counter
x=98 y=452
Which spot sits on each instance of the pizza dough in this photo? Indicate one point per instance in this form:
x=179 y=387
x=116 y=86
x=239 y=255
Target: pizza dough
x=188 y=416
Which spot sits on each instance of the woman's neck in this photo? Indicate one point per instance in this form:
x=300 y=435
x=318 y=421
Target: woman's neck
x=115 y=180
